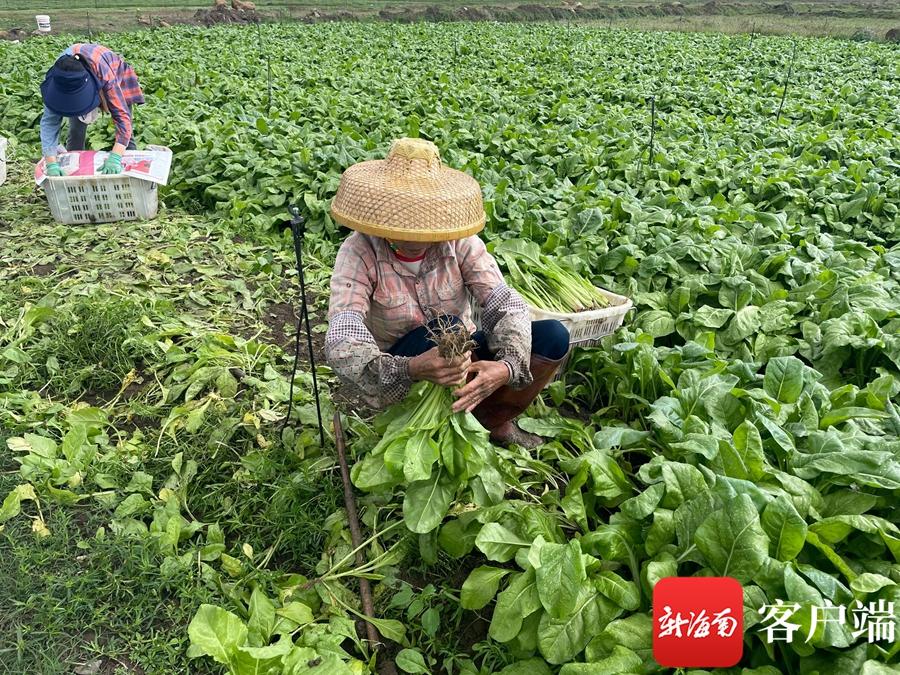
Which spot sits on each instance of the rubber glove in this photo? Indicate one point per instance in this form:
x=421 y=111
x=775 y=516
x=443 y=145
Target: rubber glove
x=52 y=169
x=113 y=164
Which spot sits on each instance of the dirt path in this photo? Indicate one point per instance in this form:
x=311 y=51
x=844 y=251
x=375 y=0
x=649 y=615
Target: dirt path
x=827 y=17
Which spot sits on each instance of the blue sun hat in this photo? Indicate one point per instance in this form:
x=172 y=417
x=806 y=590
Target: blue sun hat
x=70 y=92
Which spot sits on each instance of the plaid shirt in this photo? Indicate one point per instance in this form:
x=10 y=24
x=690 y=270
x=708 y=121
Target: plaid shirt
x=118 y=82
x=375 y=300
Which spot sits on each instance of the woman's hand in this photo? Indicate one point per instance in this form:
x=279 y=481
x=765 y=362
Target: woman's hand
x=433 y=367
x=112 y=165
x=489 y=377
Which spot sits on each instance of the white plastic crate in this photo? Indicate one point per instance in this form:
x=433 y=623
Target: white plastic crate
x=101 y=199
x=3 y=142
x=586 y=329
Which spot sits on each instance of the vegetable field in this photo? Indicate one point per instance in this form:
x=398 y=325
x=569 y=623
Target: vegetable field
x=159 y=514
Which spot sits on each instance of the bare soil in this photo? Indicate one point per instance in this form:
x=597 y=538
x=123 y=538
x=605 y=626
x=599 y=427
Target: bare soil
x=222 y=14
x=42 y=270
x=279 y=318
x=810 y=17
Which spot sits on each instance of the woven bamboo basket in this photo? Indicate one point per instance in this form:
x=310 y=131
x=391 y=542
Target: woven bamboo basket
x=586 y=329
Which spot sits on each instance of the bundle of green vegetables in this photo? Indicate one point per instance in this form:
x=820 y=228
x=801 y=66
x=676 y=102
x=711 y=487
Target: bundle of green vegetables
x=435 y=453
x=543 y=282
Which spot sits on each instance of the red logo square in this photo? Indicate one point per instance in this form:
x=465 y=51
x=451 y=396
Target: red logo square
x=698 y=622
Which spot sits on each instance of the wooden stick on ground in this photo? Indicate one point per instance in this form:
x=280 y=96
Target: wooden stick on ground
x=365 y=591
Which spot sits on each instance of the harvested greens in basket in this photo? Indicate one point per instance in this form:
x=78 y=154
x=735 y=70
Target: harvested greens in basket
x=543 y=282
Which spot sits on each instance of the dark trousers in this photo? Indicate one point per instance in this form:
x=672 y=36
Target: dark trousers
x=78 y=134
x=549 y=339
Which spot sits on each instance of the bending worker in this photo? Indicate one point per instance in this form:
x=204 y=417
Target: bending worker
x=415 y=256
x=85 y=80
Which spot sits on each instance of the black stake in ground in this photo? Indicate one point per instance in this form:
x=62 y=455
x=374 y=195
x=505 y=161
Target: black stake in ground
x=652 y=129
x=269 y=76
x=787 y=81
x=652 y=137
x=297 y=230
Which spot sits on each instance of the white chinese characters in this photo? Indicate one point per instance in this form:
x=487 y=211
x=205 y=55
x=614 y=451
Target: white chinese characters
x=876 y=621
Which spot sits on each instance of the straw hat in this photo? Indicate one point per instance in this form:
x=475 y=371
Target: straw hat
x=410 y=196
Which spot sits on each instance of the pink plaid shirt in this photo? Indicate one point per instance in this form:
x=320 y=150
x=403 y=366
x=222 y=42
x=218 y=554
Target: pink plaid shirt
x=376 y=300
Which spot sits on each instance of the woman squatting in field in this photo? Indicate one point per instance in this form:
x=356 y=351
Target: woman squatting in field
x=413 y=260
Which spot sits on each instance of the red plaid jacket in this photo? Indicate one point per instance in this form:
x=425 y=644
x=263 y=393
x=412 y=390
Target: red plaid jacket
x=118 y=82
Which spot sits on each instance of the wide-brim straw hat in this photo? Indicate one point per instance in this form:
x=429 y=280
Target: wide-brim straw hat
x=410 y=196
